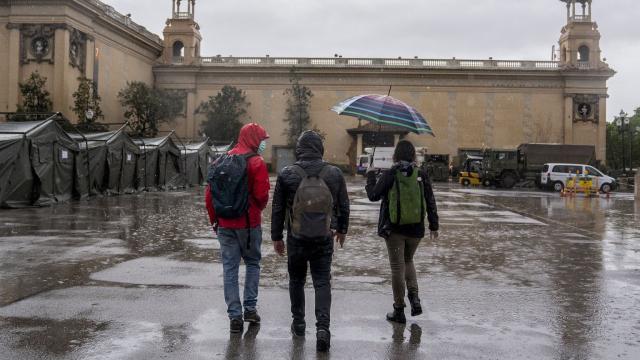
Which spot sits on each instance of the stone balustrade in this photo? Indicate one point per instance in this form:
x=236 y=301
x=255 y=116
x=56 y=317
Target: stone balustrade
x=182 y=15
x=382 y=62
x=125 y=20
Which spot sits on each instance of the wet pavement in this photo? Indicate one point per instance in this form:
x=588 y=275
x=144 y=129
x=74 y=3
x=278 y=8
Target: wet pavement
x=514 y=275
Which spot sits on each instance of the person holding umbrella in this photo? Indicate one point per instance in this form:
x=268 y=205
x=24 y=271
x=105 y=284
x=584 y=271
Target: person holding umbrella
x=405 y=191
x=407 y=196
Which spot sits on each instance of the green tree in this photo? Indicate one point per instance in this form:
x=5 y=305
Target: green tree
x=86 y=98
x=35 y=98
x=223 y=113
x=627 y=145
x=297 y=114
x=146 y=107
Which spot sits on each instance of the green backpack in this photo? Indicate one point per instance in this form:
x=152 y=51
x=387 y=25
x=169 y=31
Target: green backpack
x=406 y=199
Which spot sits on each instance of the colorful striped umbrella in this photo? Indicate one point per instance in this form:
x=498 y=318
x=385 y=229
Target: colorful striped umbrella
x=384 y=110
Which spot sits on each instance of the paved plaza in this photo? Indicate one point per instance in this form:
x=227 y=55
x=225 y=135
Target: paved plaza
x=514 y=275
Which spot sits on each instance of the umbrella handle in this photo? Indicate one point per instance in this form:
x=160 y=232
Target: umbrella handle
x=375 y=142
x=375 y=136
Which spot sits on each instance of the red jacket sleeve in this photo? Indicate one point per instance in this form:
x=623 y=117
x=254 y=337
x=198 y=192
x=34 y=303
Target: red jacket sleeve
x=259 y=178
x=209 y=203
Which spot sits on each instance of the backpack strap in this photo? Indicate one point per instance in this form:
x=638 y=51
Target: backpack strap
x=299 y=171
x=324 y=172
x=246 y=157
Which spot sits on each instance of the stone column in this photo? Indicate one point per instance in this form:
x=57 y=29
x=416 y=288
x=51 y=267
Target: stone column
x=90 y=59
x=62 y=80
x=601 y=148
x=14 y=69
x=568 y=120
x=358 y=146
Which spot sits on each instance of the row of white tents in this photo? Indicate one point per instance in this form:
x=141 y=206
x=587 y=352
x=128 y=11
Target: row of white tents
x=41 y=164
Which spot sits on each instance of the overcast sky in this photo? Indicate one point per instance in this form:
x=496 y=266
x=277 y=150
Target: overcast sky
x=478 y=29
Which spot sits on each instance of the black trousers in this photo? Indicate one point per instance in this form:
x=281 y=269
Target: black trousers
x=318 y=255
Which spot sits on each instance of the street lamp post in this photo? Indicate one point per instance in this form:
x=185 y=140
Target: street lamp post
x=622 y=122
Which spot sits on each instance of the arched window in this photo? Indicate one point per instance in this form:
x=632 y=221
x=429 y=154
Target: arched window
x=178 y=51
x=583 y=53
x=563 y=54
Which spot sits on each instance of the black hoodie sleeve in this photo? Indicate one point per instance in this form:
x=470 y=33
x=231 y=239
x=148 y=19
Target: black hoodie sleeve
x=432 y=208
x=378 y=188
x=278 y=209
x=343 y=205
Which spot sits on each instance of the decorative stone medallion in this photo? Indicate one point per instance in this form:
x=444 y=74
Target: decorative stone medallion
x=586 y=107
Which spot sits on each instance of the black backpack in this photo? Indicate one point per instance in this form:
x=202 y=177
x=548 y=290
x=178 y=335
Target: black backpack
x=229 y=186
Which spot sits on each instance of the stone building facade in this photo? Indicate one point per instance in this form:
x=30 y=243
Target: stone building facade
x=66 y=39
x=469 y=103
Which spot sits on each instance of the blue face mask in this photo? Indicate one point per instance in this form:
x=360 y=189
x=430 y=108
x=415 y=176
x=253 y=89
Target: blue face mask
x=262 y=147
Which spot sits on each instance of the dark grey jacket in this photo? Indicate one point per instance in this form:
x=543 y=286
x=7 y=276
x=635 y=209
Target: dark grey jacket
x=378 y=189
x=309 y=151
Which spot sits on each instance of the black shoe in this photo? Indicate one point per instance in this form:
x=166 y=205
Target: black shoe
x=397 y=315
x=236 y=325
x=252 y=317
x=323 y=340
x=298 y=329
x=416 y=308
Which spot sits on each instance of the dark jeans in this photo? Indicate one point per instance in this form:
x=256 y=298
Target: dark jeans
x=318 y=254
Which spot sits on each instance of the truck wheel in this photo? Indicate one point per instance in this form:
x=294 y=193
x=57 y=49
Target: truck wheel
x=508 y=181
x=605 y=188
x=466 y=182
x=558 y=186
x=486 y=182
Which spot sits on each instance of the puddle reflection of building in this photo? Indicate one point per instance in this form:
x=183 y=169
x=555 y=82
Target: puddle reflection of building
x=575 y=269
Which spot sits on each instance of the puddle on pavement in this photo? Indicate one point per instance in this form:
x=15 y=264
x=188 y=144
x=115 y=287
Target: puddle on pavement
x=570 y=264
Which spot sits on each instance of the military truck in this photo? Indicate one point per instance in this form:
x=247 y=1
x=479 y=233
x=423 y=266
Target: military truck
x=507 y=167
x=437 y=166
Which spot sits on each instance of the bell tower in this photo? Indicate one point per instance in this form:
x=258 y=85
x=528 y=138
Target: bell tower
x=182 y=35
x=580 y=39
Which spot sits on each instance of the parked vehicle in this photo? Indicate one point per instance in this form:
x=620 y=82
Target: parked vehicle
x=507 y=168
x=470 y=173
x=436 y=165
x=383 y=159
x=555 y=176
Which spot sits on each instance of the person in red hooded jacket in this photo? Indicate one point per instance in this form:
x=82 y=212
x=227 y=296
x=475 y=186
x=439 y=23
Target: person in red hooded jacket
x=233 y=234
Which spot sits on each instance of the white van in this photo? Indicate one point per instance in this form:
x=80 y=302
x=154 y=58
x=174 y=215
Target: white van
x=383 y=159
x=555 y=176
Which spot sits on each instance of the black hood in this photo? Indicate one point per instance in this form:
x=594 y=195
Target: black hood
x=309 y=146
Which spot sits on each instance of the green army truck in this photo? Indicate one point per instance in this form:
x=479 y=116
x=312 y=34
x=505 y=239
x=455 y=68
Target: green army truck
x=507 y=168
x=437 y=166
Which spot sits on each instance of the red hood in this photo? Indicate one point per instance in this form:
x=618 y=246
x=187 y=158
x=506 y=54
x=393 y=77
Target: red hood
x=250 y=137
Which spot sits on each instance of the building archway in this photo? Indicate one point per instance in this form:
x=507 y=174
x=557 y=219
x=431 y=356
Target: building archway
x=178 y=51
x=583 y=53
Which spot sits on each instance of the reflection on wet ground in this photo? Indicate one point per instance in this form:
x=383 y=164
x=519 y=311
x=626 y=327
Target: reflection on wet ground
x=513 y=275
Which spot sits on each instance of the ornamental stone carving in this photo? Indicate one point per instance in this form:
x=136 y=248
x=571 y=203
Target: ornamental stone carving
x=37 y=41
x=77 y=49
x=586 y=108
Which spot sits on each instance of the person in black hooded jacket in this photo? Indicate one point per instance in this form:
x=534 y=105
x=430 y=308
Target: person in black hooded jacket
x=317 y=253
x=402 y=240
